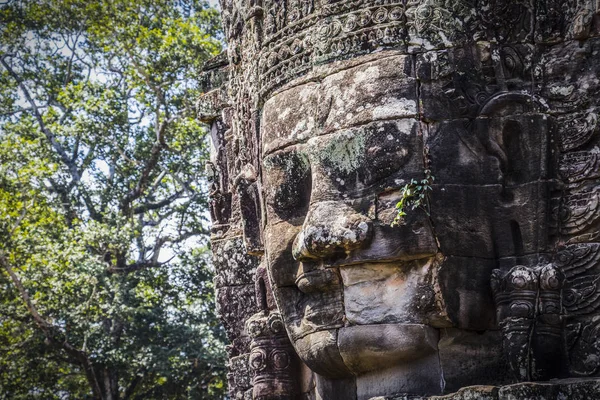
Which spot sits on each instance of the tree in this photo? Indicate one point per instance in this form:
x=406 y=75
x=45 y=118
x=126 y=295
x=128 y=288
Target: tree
x=105 y=287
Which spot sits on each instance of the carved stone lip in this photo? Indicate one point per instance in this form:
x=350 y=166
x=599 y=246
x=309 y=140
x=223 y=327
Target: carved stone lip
x=393 y=245
x=318 y=280
x=366 y=348
x=326 y=277
x=359 y=260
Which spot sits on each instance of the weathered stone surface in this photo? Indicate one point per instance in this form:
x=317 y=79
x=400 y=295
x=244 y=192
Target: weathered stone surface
x=307 y=380
x=235 y=304
x=576 y=389
x=335 y=388
x=238 y=377
x=365 y=347
x=458 y=82
x=272 y=358
x=556 y=83
x=356 y=159
x=471 y=393
x=528 y=302
x=387 y=294
x=280 y=237
x=490 y=221
x=464 y=285
x=437 y=24
x=472 y=357
x=567 y=389
x=293 y=118
x=484 y=112
x=234 y=266
x=320 y=351
x=458 y=156
x=287 y=184
x=384 y=89
x=421 y=375
x=310 y=312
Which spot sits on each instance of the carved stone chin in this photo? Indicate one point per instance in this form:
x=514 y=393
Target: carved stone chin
x=483 y=118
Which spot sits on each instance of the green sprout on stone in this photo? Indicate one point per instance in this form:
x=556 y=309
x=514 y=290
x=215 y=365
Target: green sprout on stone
x=415 y=194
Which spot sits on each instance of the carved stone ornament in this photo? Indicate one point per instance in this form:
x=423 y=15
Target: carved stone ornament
x=323 y=114
x=272 y=358
x=529 y=312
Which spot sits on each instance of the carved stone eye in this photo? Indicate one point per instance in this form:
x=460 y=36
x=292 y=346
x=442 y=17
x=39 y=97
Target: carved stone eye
x=276 y=324
x=389 y=149
x=280 y=359
x=358 y=158
x=519 y=282
x=521 y=309
x=288 y=183
x=425 y=12
x=257 y=360
x=350 y=23
x=396 y=14
x=569 y=297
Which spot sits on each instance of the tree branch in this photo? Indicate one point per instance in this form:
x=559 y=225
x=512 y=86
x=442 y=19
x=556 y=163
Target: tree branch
x=41 y=322
x=73 y=52
x=20 y=110
x=52 y=333
x=87 y=160
x=38 y=116
x=75 y=151
x=64 y=200
x=159 y=204
x=144 y=177
x=139 y=376
x=18 y=221
x=136 y=266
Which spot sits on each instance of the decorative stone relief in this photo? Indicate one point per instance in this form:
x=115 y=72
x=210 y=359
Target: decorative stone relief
x=272 y=358
x=528 y=302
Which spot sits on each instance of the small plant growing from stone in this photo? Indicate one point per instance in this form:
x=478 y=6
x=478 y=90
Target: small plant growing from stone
x=414 y=195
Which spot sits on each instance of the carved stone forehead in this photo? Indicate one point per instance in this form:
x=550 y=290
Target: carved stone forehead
x=378 y=89
x=277 y=46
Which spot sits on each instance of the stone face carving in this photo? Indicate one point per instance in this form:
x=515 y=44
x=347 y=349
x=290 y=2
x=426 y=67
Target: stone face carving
x=330 y=108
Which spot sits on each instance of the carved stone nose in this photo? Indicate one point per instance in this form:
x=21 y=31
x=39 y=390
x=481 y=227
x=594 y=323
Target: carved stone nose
x=331 y=229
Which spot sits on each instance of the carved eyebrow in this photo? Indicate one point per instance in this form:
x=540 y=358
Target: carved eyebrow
x=320 y=134
x=283 y=149
x=288 y=149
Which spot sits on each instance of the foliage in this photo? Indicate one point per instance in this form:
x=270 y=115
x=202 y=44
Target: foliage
x=105 y=287
x=414 y=195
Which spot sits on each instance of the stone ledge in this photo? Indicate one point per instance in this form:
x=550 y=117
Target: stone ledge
x=572 y=389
